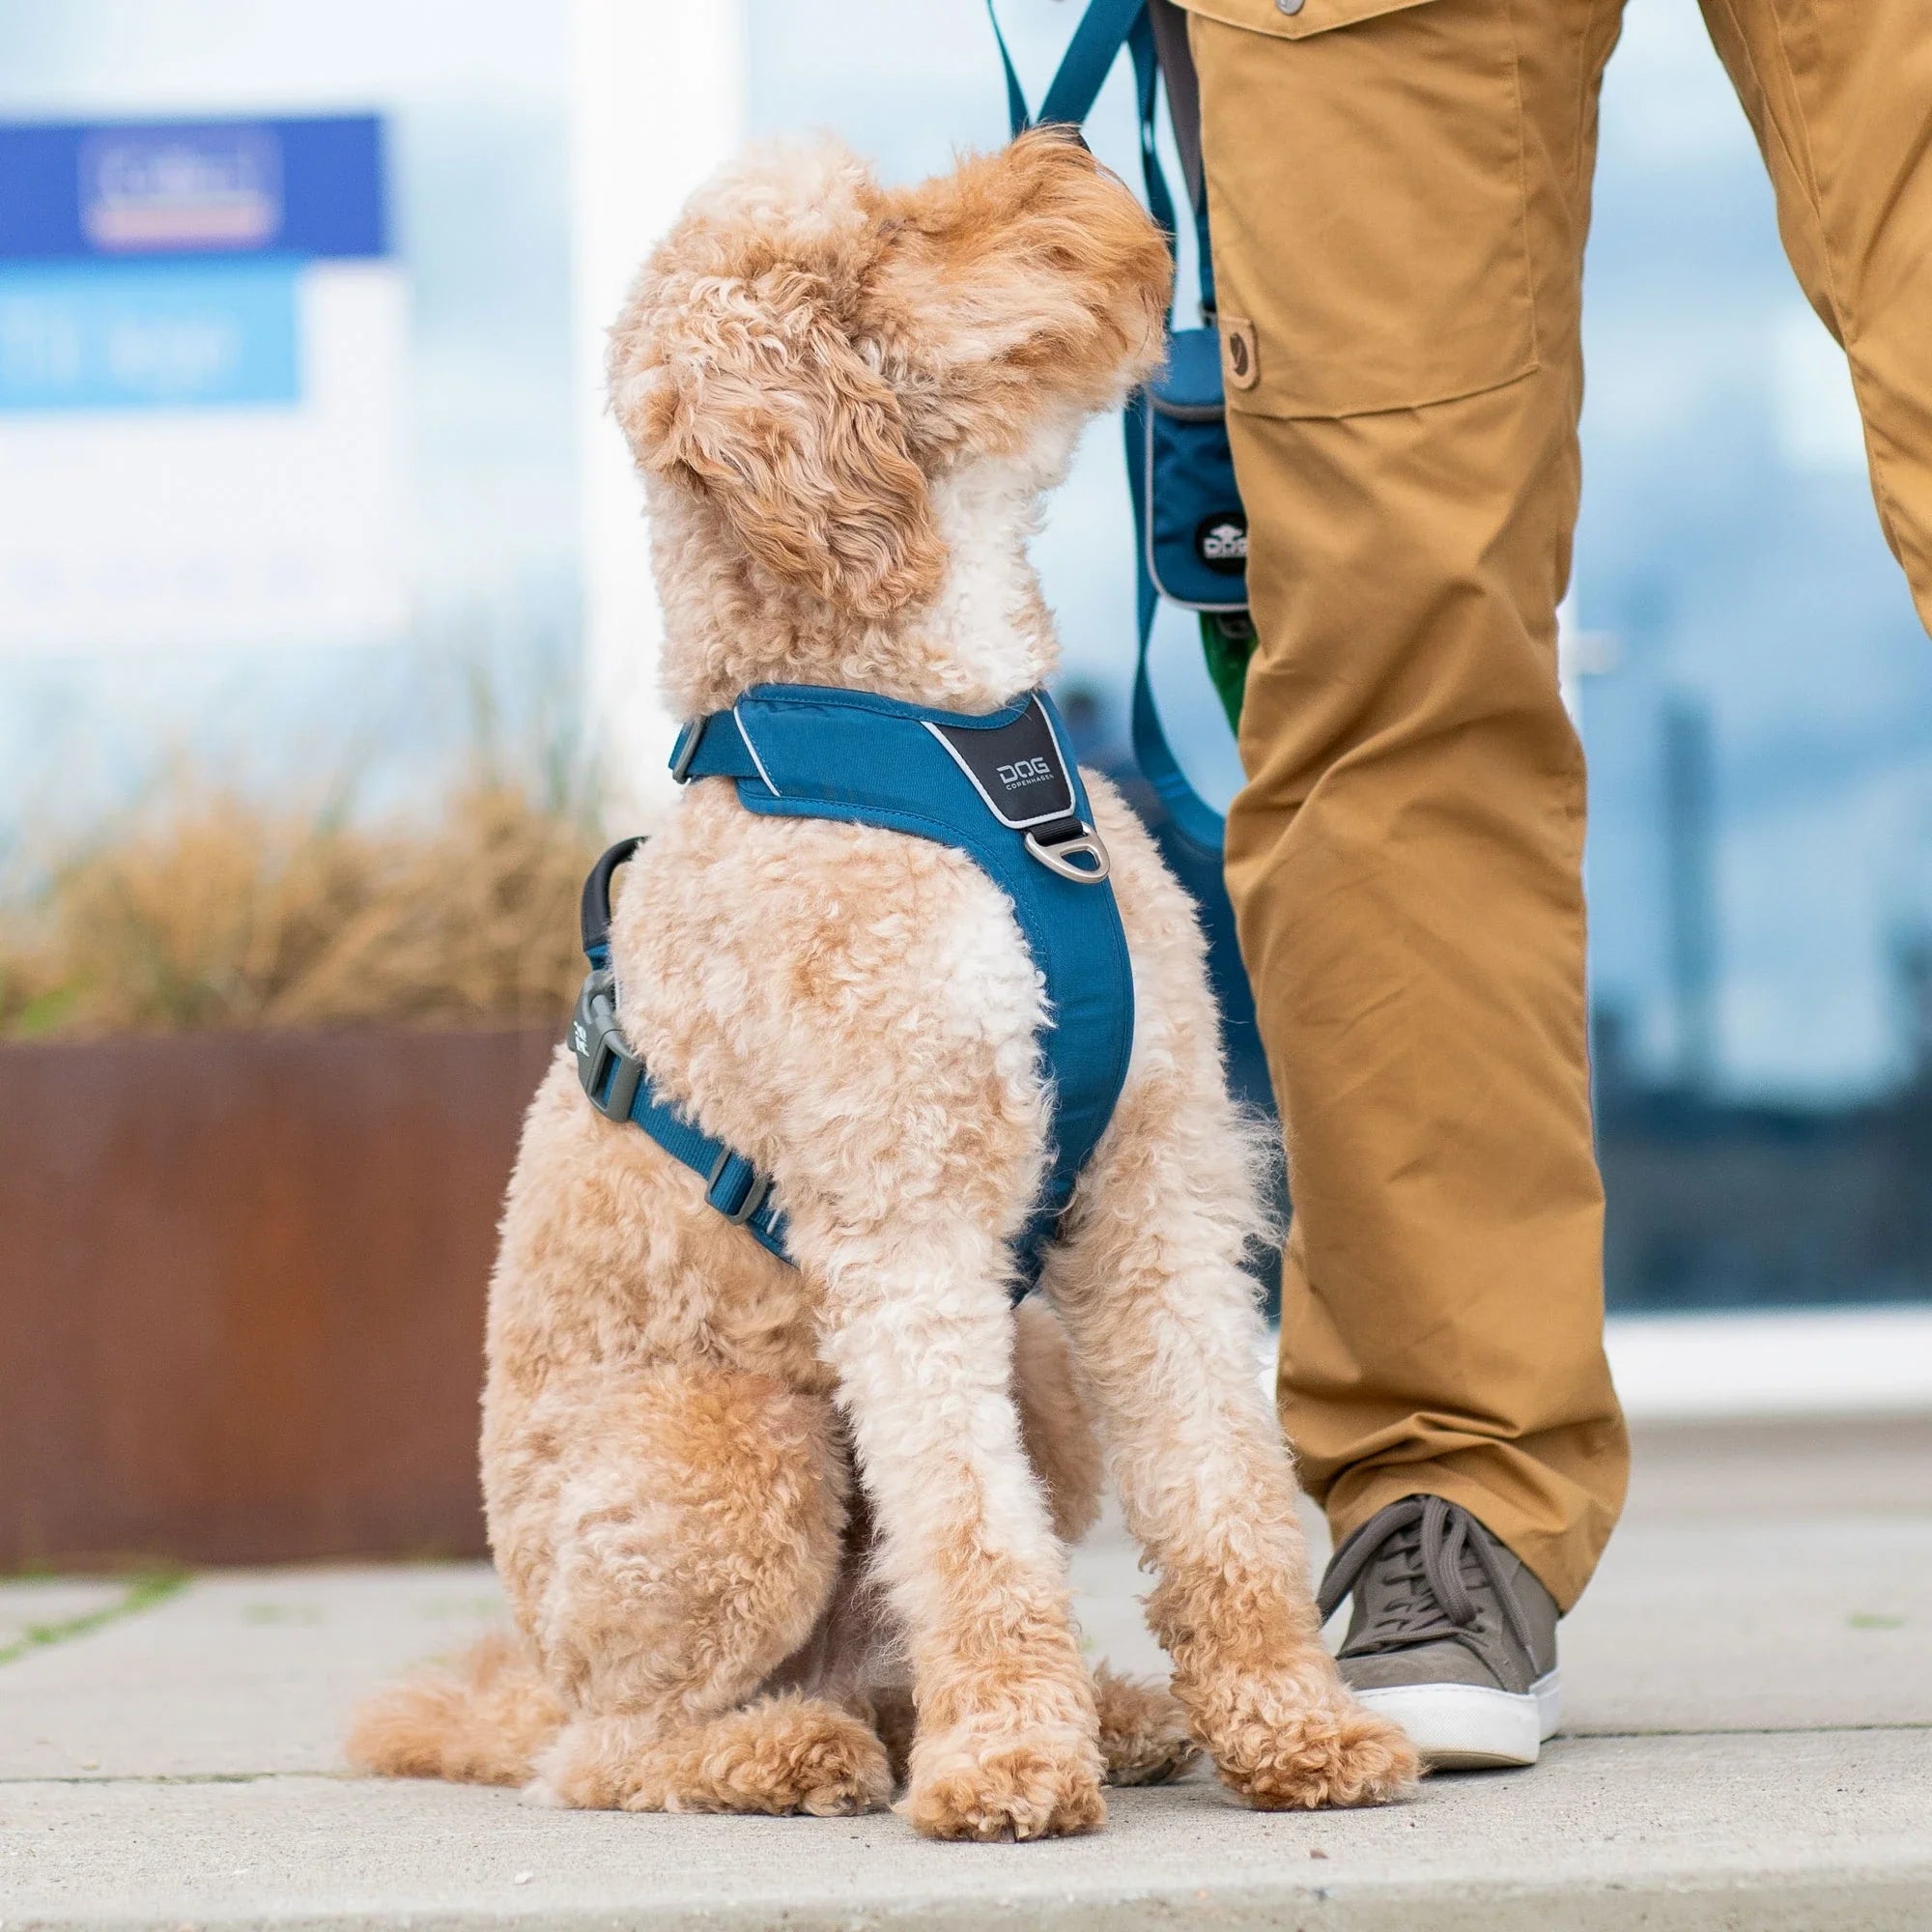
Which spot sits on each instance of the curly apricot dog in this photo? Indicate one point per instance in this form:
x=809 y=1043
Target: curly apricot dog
x=752 y=1518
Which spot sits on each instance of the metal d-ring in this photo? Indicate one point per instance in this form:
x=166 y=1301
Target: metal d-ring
x=1088 y=844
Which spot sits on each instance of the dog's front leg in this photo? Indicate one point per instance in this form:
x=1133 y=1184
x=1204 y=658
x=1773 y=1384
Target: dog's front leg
x=920 y=1331
x=1164 y=1327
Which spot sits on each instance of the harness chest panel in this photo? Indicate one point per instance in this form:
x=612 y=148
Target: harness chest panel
x=1000 y=790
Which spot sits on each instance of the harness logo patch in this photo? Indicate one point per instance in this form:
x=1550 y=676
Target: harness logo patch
x=1024 y=772
x=1221 y=542
x=1014 y=767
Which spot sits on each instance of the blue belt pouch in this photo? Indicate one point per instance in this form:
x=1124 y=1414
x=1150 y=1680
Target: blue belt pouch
x=1192 y=531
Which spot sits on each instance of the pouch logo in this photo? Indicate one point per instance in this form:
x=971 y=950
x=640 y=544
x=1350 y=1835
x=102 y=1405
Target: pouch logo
x=1221 y=542
x=1025 y=772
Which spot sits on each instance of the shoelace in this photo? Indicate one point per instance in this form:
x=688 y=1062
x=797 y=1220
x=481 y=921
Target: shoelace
x=1429 y=1596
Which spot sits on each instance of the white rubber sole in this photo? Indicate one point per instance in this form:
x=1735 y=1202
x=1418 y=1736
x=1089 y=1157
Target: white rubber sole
x=1467 y=1727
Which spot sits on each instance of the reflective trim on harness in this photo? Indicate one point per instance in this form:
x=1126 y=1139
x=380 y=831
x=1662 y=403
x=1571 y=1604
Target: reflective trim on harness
x=998 y=787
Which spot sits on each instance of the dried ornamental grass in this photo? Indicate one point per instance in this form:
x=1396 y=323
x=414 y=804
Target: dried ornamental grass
x=225 y=913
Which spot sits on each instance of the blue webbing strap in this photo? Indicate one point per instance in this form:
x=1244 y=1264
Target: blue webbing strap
x=1146 y=93
x=1082 y=69
x=731 y=1182
x=1089 y=58
x=1192 y=817
x=1018 y=116
x=614 y=1077
x=802 y=750
x=1105 y=26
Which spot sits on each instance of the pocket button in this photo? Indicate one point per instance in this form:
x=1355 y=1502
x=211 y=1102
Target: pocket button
x=1288 y=6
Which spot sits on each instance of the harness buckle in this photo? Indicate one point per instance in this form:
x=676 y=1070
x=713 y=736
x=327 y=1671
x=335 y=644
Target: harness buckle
x=606 y=1069
x=1084 y=842
x=740 y=1196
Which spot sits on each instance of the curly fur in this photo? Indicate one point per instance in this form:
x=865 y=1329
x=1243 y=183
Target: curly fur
x=774 y=1538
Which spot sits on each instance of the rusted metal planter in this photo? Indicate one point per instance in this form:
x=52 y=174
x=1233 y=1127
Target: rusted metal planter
x=241 y=1291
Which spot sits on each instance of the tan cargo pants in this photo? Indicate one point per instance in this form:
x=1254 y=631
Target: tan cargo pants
x=1399 y=191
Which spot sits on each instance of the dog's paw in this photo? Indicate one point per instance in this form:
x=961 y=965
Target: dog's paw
x=1328 y=1754
x=783 y=1754
x=974 y=1784
x=1144 y=1733
x=786 y=1755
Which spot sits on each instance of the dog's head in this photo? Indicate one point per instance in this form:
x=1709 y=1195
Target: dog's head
x=845 y=400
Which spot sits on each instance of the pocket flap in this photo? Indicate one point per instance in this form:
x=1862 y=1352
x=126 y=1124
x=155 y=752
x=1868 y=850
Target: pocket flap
x=1188 y=383
x=1293 y=19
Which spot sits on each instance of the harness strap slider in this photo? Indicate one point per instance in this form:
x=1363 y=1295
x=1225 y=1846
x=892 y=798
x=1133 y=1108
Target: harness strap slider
x=736 y=1188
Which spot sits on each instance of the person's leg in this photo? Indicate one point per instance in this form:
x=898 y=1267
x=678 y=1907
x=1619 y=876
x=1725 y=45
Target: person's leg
x=1399 y=201
x=1838 y=96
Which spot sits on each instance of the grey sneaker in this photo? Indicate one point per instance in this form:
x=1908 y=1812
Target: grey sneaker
x=1451 y=1636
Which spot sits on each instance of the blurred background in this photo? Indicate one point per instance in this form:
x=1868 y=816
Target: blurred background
x=324 y=666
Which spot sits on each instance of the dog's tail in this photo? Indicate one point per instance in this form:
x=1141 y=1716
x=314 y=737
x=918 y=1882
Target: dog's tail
x=480 y=1718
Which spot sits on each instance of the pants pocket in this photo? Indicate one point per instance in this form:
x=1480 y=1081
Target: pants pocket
x=1366 y=185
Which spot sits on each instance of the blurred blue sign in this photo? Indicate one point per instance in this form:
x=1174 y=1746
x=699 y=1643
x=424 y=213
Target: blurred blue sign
x=148 y=335
x=154 y=264
x=79 y=191
x=203 y=355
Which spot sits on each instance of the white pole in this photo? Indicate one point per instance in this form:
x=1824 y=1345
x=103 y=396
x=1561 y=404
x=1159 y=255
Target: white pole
x=657 y=103
x=1580 y=654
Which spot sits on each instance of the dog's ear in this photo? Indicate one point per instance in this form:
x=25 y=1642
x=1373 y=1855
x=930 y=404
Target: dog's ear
x=749 y=389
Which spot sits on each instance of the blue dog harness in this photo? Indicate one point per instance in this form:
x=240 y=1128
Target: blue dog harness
x=998 y=789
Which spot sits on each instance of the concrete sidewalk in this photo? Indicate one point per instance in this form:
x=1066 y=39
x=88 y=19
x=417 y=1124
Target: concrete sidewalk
x=1749 y=1746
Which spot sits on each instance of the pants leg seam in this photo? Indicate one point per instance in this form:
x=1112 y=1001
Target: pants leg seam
x=1522 y=192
